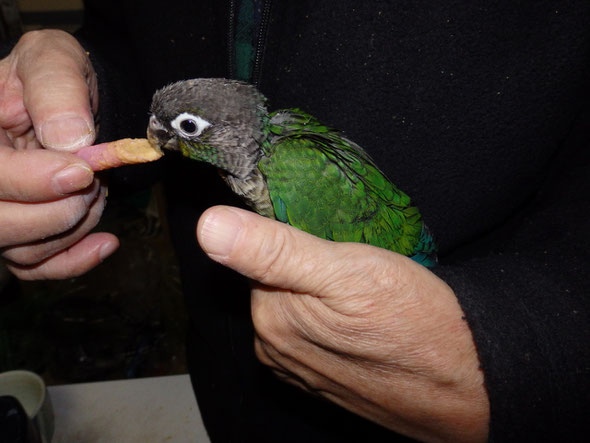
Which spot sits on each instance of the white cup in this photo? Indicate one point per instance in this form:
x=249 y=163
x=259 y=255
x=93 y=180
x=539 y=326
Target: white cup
x=29 y=389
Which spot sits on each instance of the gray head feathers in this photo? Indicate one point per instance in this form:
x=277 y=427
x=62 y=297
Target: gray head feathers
x=216 y=99
x=215 y=120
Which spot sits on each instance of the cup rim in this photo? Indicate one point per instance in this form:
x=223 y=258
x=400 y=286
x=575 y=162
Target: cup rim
x=28 y=376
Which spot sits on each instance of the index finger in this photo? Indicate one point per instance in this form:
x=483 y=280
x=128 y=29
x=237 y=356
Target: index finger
x=58 y=83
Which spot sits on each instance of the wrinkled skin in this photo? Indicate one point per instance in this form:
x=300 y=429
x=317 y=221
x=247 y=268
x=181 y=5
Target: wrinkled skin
x=48 y=95
x=364 y=327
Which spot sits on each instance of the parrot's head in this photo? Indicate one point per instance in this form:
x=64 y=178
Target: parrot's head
x=214 y=120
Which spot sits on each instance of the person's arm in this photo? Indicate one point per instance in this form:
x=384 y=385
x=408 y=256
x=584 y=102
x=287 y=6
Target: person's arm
x=524 y=290
x=49 y=198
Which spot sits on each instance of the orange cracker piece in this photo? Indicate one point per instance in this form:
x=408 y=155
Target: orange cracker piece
x=127 y=151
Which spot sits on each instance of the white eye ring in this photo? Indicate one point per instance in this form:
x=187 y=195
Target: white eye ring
x=199 y=123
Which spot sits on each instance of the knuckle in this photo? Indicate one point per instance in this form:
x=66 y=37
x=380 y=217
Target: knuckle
x=92 y=219
x=76 y=208
x=263 y=321
x=34 y=42
x=46 y=47
x=261 y=352
x=272 y=254
x=25 y=255
x=31 y=272
x=269 y=355
x=23 y=271
x=42 y=36
x=21 y=274
x=274 y=323
x=31 y=38
x=37 y=228
x=12 y=111
x=48 y=269
x=36 y=238
x=61 y=217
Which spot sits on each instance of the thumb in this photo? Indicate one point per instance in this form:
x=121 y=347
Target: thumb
x=58 y=83
x=268 y=251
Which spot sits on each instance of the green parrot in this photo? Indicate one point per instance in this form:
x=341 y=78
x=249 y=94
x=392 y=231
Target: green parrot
x=288 y=166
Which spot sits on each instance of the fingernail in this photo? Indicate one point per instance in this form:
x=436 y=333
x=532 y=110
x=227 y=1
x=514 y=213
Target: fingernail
x=106 y=250
x=219 y=232
x=72 y=178
x=67 y=134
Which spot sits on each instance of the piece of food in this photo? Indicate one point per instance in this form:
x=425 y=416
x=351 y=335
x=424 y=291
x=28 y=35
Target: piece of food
x=127 y=151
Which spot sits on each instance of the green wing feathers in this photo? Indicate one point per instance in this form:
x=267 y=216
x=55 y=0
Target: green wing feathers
x=326 y=185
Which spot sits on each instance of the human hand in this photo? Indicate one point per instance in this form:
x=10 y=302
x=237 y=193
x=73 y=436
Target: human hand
x=49 y=198
x=363 y=327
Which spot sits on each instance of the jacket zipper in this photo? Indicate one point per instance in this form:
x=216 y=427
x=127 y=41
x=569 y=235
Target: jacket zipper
x=230 y=39
x=261 y=43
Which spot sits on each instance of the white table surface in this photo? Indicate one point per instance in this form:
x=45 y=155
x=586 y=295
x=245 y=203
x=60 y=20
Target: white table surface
x=158 y=409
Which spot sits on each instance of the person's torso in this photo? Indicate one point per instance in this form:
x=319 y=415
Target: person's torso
x=462 y=104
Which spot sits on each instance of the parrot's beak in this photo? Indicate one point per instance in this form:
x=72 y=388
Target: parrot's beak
x=158 y=136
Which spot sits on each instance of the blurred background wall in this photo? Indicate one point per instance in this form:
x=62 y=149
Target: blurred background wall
x=17 y=16
x=63 y=14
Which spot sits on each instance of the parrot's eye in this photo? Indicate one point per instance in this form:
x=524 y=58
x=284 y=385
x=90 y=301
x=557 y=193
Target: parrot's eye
x=189 y=125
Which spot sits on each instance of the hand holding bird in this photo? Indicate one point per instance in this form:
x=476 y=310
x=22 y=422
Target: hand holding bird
x=366 y=328
x=363 y=326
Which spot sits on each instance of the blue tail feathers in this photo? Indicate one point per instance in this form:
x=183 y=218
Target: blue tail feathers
x=426 y=249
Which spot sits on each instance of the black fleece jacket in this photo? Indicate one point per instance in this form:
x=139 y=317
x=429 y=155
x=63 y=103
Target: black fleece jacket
x=478 y=110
